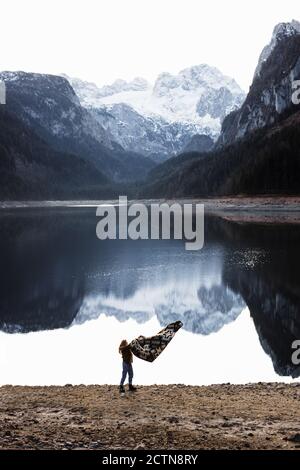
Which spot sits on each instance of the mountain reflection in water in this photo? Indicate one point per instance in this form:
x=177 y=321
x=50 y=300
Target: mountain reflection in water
x=55 y=274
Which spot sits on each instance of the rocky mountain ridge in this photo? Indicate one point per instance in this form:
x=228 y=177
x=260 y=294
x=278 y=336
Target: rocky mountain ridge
x=160 y=120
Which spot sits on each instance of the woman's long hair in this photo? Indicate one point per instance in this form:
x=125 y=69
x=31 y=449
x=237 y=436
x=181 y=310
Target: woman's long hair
x=122 y=344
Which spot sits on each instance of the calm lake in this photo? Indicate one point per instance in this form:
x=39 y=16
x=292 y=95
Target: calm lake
x=68 y=299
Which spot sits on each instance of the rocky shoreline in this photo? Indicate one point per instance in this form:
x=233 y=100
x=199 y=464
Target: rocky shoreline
x=254 y=416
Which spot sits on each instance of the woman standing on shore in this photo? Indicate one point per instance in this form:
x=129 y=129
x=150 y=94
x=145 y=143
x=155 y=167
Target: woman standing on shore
x=127 y=357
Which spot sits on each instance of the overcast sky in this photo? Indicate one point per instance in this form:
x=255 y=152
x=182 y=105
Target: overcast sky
x=102 y=40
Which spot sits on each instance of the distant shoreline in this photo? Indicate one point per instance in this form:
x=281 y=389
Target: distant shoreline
x=253 y=416
x=237 y=203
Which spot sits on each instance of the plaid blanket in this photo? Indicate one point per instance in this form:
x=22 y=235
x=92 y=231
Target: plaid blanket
x=150 y=348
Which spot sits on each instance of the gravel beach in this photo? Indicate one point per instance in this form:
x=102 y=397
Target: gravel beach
x=256 y=416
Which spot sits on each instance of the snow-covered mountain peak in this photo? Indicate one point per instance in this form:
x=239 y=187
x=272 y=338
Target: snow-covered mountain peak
x=195 y=79
x=119 y=86
x=91 y=95
x=165 y=82
x=281 y=31
x=175 y=98
x=139 y=83
x=204 y=74
x=286 y=29
x=165 y=115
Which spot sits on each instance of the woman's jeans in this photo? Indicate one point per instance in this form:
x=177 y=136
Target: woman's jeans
x=127 y=369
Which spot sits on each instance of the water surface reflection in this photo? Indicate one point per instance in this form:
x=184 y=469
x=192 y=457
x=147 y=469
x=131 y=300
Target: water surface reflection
x=56 y=274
